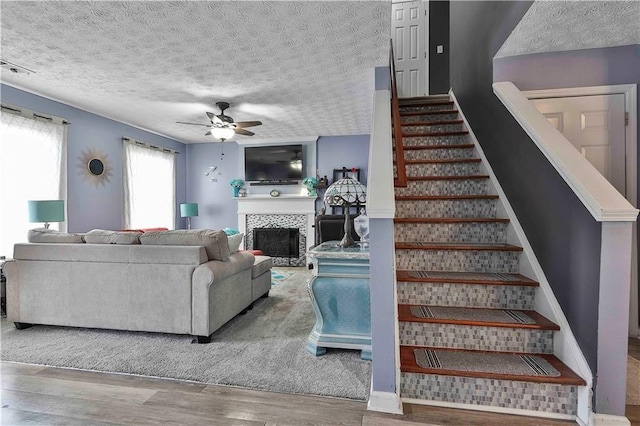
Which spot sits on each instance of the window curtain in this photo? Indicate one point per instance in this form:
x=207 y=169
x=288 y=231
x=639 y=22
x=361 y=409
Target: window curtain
x=32 y=167
x=149 y=186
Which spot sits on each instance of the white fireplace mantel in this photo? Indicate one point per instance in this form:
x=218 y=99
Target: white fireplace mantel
x=284 y=204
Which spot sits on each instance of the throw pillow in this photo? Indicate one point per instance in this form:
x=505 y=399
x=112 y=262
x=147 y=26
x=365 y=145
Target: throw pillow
x=231 y=231
x=214 y=242
x=234 y=242
x=44 y=235
x=102 y=236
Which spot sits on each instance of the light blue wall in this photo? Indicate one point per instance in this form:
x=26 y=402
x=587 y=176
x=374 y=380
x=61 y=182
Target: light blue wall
x=216 y=207
x=335 y=152
x=88 y=206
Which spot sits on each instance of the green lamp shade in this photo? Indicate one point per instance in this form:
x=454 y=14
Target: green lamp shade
x=46 y=211
x=188 y=209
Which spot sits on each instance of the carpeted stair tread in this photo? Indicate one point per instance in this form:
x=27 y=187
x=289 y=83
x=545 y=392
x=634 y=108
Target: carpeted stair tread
x=453 y=146
x=489 y=365
x=452 y=177
x=488 y=278
x=432 y=123
x=444 y=161
x=423 y=102
x=449 y=220
x=482 y=317
x=445 y=197
x=416 y=245
x=429 y=134
x=436 y=112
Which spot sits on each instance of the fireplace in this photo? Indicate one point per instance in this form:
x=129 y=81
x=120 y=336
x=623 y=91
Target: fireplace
x=277 y=242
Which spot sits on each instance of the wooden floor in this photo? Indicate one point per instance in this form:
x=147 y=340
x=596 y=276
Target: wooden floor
x=37 y=395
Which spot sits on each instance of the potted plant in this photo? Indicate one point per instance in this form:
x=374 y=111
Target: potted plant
x=236 y=184
x=310 y=183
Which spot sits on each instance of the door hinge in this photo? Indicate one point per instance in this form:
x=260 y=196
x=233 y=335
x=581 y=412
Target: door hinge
x=626 y=118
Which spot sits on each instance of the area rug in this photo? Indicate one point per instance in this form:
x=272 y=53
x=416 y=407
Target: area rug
x=279 y=275
x=633 y=381
x=523 y=365
x=264 y=350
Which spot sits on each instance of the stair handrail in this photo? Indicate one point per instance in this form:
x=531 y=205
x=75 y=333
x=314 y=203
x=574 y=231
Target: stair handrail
x=595 y=192
x=401 y=175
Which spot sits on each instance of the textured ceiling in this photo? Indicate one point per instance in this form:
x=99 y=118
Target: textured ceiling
x=551 y=26
x=302 y=68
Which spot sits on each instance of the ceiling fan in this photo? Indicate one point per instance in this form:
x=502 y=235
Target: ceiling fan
x=222 y=126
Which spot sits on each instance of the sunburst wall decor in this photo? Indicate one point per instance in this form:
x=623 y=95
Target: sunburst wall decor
x=95 y=167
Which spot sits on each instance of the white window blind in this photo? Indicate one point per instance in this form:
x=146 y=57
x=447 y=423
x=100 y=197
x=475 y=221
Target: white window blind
x=32 y=167
x=149 y=186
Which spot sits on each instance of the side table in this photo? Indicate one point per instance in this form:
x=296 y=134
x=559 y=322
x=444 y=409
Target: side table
x=339 y=292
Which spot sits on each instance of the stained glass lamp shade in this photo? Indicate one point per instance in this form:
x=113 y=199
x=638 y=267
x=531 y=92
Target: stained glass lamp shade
x=344 y=193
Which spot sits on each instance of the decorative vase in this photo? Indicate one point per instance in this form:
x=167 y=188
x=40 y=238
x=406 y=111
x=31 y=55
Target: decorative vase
x=236 y=191
x=361 y=225
x=312 y=191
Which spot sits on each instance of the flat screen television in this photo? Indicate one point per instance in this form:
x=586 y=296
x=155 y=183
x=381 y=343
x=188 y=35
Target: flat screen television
x=282 y=163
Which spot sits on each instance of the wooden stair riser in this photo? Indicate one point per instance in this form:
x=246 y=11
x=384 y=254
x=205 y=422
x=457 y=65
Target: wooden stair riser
x=432 y=128
x=449 y=116
x=540 y=397
x=444 y=187
x=472 y=232
x=468 y=295
x=436 y=106
x=475 y=208
x=439 y=154
x=443 y=169
x=457 y=260
x=482 y=338
x=435 y=140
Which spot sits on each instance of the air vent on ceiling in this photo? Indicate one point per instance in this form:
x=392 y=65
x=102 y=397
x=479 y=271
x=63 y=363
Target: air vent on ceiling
x=15 y=68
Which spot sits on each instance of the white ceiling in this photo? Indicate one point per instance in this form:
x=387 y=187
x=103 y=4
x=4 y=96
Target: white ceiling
x=559 y=25
x=302 y=68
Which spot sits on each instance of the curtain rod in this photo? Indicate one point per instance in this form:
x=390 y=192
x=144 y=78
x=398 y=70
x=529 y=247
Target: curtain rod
x=27 y=113
x=150 y=146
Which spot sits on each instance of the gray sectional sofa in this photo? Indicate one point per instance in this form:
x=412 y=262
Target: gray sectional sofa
x=176 y=282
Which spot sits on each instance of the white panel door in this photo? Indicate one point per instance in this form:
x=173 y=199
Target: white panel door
x=409 y=34
x=595 y=126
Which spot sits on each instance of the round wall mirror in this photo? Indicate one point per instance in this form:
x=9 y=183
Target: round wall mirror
x=95 y=166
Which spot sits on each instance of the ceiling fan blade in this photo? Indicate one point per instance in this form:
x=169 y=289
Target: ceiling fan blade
x=240 y=131
x=208 y=133
x=193 y=124
x=243 y=124
x=210 y=115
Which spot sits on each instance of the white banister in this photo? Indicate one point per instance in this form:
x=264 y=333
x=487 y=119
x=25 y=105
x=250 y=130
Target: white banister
x=380 y=191
x=602 y=200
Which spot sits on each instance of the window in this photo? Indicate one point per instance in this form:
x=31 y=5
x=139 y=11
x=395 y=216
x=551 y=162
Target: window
x=149 y=186
x=32 y=167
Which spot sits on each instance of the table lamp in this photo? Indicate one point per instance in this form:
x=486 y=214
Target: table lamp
x=345 y=192
x=188 y=210
x=46 y=211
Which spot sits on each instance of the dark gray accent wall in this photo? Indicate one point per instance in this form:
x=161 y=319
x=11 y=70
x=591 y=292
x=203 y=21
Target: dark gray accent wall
x=438 y=35
x=564 y=236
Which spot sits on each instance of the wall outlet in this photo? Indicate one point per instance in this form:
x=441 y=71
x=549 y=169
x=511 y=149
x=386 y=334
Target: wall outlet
x=440 y=49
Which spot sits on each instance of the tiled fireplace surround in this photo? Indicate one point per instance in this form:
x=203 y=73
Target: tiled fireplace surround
x=285 y=211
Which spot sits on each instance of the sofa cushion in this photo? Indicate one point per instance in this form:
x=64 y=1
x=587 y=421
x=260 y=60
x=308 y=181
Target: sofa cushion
x=261 y=265
x=234 y=241
x=214 y=242
x=102 y=236
x=44 y=235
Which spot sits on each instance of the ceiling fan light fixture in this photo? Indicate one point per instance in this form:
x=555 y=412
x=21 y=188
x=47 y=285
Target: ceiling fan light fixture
x=223 y=133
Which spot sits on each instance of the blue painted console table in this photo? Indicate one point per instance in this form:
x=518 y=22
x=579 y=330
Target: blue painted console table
x=339 y=291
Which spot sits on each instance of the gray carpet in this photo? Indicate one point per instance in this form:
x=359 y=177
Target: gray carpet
x=264 y=349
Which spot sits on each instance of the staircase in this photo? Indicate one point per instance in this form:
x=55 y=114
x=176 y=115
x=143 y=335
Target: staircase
x=469 y=332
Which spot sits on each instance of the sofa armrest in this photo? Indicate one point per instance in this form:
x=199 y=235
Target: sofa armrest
x=207 y=277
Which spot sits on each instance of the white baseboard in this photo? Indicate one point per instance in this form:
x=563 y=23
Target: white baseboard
x=386 y=402
x=596 y=419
